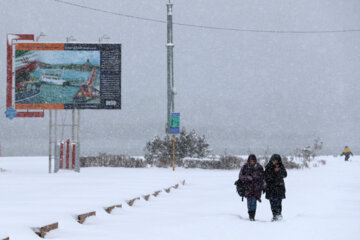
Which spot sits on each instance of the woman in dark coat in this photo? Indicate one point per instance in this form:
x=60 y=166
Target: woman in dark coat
x=275 y=173
x=252 y=174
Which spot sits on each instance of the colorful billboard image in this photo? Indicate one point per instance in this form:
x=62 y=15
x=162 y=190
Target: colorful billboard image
x=67 y=76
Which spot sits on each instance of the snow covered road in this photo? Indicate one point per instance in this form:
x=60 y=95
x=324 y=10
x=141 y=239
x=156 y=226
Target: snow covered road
x=321 y=203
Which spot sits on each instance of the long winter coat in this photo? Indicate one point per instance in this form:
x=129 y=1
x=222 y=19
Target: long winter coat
x=275 y=184
x=254 y=187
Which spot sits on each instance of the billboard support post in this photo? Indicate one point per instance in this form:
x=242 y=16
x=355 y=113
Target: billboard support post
x=66 y=152
x=50 y=137
x=78 y=126
x=55 y=130
x=72 y=125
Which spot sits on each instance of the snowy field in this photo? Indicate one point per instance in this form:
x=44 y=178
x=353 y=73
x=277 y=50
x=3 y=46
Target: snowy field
x=321 y=203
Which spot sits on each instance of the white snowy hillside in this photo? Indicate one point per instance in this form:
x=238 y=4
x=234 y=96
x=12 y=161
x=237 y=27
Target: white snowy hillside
x=322 y=203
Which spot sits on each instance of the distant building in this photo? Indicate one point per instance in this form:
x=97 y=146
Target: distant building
x=87 y=67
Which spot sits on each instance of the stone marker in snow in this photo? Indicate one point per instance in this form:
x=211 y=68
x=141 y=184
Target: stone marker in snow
x=82 y=217
x=131 y=202
x=109 y=209
x=45 y=229
x=147 y=197
x=155 y=194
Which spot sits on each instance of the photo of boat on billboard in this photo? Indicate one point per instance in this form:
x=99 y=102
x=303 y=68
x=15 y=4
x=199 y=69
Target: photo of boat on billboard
x=65 y=76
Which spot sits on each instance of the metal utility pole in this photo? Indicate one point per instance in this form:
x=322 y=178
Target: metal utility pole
x=170 y=66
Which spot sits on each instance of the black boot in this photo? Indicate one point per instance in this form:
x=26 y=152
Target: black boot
x=280 y=217
x=275 y=216
x=252 y=215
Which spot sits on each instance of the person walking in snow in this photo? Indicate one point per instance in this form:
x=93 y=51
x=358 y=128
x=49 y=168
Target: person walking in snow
x=252 y=175
x=347 y=152
x=275 y=173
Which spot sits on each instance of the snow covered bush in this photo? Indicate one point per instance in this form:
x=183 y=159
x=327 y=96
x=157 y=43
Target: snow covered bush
x=265 y=158
x=322 y=162
x=224 y=162
x=105 y=160
x=158 y=152
x=290 y=164
x=231 y=162
x=309 y=153
x=198 y=163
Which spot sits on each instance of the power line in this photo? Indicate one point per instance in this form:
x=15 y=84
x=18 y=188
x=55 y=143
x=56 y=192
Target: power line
x=110 y=12
x=211 y=27
x=267 y=31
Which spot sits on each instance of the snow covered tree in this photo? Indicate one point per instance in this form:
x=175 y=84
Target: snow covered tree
x=309 y=153
x=318 y=144
x=187 y=144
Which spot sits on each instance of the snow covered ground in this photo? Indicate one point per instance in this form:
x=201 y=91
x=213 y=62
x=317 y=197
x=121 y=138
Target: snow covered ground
x=321 y=203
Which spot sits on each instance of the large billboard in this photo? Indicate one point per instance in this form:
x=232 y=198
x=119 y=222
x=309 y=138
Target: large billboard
x=67 y=76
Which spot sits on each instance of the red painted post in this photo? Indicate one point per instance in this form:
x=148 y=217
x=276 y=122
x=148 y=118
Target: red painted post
x=61 y=155
x=67 y=153
x=73 y=155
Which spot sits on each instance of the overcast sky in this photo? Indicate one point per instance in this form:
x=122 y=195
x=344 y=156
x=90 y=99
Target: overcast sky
x=243 y=90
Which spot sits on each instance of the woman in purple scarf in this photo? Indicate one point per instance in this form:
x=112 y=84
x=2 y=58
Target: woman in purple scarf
x=252 y=175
